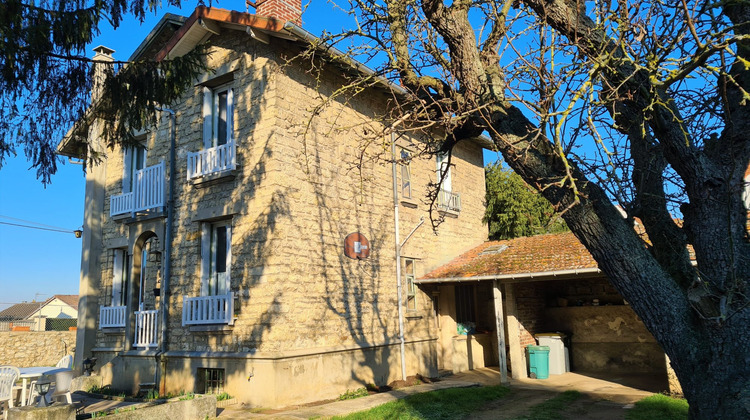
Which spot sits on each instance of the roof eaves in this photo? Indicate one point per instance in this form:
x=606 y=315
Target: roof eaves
x=221 y=16
x=516 y=277
x=169 y=18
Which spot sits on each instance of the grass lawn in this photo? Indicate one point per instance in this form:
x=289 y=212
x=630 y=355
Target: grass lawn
x=552 y=409
x=659 y=407
x=459 y=403
x=442 y=404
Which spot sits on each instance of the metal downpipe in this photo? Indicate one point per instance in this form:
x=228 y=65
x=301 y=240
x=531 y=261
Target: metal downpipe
x=161 y=364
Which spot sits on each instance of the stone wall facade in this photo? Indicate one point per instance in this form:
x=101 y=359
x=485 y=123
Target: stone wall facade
x=604 y=335
x=311 y=170
x=35 y=348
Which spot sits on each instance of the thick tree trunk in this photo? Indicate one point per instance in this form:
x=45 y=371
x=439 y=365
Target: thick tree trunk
x=711 y=358
x=716 y=375
x=701 y=317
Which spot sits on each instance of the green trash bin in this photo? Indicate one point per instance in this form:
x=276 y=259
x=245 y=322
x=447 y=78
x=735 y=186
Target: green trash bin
x=538 y=359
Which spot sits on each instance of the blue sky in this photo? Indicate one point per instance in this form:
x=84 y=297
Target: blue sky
x=39 y=263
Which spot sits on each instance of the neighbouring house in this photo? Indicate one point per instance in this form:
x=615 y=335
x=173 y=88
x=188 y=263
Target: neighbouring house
x=274 y=272
x=547 y=284
x=58 y=312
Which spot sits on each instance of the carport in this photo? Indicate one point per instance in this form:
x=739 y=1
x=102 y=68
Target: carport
x=518 y=288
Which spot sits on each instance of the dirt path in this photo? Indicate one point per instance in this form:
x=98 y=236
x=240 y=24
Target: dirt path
x=520 y=401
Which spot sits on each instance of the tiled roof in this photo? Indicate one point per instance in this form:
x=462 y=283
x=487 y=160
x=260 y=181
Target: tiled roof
x=533 y=254
x=71 y=300
x=26 y=309
x=19 y=311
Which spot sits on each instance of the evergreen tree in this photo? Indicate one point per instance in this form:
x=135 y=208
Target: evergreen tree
x=46 y=78
x=514 y=209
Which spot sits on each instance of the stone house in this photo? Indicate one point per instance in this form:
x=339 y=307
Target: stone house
x=252 y=243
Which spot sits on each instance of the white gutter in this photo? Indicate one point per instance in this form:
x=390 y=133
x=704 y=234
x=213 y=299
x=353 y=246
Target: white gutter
x=510 y=278
x=398 y=258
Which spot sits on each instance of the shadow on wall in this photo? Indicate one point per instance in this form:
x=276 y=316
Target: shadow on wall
x=359 y=301
x=254 y=211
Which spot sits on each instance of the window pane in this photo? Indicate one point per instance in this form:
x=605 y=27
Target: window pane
x=221 y=133
x=405 y=175
x=140 y=158
x=411 y=289
x=221 y=249
x=409 y=267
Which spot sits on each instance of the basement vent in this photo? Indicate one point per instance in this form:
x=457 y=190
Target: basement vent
x=495 y=249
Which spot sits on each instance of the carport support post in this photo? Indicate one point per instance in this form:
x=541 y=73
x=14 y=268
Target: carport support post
x=517 y=356
x=500 y=326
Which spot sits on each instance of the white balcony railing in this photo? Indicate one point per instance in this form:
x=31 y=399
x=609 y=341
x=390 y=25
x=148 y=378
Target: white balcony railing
x=146 y=323
x=148 y=192
x=212 y=160
x=111 y=316
x=208 y=310
x=449 y=201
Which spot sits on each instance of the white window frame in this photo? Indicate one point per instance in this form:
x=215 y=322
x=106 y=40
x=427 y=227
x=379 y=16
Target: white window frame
x=212 y=282
x=134 y=159
x=211 y=115
x=406 y=173
x=120 y=277
x=442 y=167
x=411 y=288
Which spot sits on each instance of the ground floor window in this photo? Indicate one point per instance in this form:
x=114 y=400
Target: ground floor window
x=211 y=381
x=120 y=277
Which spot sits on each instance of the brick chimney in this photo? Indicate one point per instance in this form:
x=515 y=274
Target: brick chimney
x=284 y=10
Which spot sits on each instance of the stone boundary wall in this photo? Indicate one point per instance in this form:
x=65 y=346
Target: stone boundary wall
x=35 y=348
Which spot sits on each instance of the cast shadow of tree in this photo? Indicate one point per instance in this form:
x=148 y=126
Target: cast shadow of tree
x=359 y=295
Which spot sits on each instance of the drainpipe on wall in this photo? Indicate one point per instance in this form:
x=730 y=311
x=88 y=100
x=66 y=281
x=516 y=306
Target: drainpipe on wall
x=161 y=361
x=398 y=259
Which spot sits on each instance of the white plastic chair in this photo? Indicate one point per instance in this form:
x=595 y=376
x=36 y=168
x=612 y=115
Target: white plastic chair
x=8 y=377
x=62 y=386
x=32 y=393
x=65 y=362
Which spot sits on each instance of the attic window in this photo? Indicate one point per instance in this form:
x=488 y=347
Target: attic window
x=495 y=249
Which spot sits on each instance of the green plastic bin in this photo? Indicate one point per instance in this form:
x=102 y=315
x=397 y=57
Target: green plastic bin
x=538 y=359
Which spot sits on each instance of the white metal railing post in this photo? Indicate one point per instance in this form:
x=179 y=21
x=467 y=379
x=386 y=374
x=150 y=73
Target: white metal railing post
x=448 y=200
x=111 y=316
x=208 y=310
x=146 y=323
x=148 y=192
x=212 y=160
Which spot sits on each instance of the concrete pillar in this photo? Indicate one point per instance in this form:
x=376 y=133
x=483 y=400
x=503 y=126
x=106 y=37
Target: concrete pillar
x=517 y=355
x=89 y=288
x=91 y=273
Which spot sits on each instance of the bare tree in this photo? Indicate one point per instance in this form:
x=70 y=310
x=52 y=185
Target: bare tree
x=642 y=105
